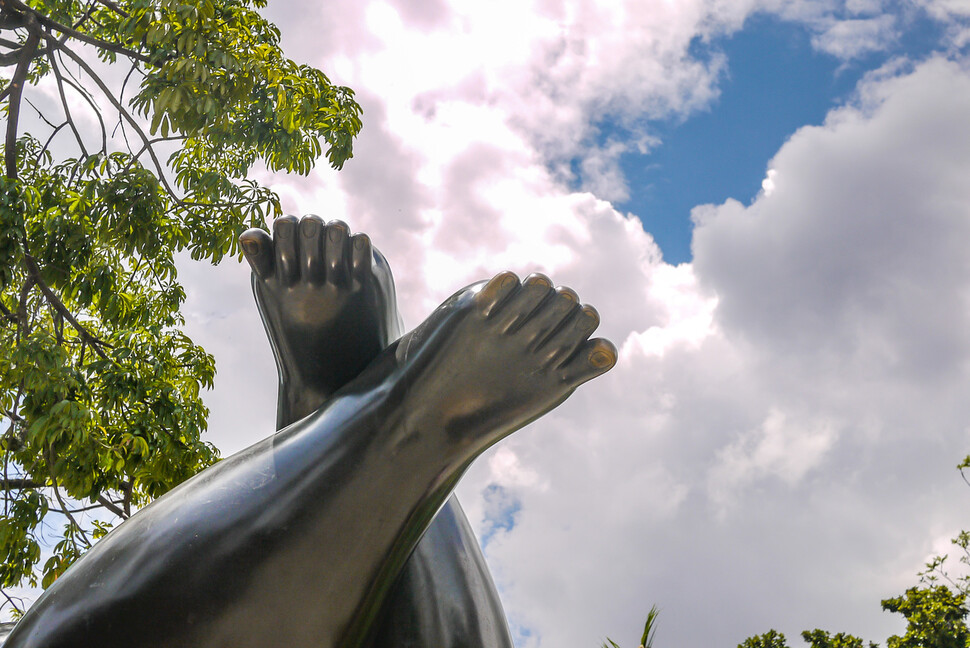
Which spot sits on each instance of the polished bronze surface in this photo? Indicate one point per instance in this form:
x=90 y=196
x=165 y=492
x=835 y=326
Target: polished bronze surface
x=340 y=529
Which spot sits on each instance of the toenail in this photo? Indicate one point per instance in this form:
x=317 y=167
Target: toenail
x=310 y=227
x=361 y=242
x=508 y=281
x=250 y=247
x=601 y=359
x=335 y=234
x=284 y=230
x=588 y=322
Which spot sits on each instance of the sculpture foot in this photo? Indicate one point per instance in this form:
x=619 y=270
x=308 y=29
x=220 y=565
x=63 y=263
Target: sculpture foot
x=327 y=302
x=499 y=354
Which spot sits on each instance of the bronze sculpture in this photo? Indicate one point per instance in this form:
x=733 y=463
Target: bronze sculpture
x=338 y=531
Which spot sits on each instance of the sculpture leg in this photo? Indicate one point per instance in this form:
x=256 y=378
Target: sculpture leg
x=294 y=542
x=327 y=301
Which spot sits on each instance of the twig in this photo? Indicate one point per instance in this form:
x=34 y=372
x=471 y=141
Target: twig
x=73 y=33
x=17 y=91
x=20 y=484
x=54 y=300
x=111 y=506
x=113 y=7
x=67 y=109
x=124 y=113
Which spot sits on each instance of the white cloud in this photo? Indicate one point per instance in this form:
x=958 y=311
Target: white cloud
x=812 y=357
x=779 y=447
x=851 y=38
x=955 y=16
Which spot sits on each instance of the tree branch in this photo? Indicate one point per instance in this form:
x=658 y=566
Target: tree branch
x=64 y=104
x=54 y=300
x=7 y=314
x=111 y=506
x=17 y=91
x=124 y=113
x=73 y=33
x=11 y=601
x=113 y=7
x=11 y=58
x=20 y=484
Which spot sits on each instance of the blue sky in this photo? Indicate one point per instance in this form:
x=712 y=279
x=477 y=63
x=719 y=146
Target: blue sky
x=776 y=447
x=775 y=83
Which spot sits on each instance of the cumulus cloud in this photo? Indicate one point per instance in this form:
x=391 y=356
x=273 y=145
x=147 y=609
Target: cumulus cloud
x=778 y=434
x=851 y=38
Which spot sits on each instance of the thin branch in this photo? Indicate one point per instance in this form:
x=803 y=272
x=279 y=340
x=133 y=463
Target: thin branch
x=12 y=58
x=129 y=486
x=113 y=7
x=17 y=91
x=20 y=484
x=22 y=307
x=91 y=507
x=50 y=139
x=73 y=33
x=10 y=600
x=87 y=97
x=111 y=506
x=8 y=314
x=40 y=113
x=64 y=509
x=64 y=104
x=54 y=300
x=84 y=17
x=131 y=120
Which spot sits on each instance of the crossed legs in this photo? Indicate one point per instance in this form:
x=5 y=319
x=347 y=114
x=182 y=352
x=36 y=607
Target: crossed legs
x=328 y=305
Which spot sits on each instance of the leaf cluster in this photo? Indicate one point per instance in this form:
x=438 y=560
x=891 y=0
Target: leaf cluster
x=100 y=389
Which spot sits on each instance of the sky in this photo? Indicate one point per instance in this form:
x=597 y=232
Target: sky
x=766 y=200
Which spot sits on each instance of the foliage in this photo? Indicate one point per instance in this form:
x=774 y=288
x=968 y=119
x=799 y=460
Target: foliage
x=935 y=610
x=770 y=639
x=814 y=638
x=822 y=639
x=936 y=617
x=649 y=630
x=99 y=387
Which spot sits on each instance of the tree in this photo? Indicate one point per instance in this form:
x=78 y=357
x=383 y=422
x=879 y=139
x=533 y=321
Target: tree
x=821 y=639
x=814 y=638
x=770 y=639
x=936 y=618
x=935 y=610
x=99 y=386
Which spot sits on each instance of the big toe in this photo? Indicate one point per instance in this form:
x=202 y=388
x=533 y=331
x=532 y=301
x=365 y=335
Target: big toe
x=594 y=358
x=257 y=247
x=495 y=291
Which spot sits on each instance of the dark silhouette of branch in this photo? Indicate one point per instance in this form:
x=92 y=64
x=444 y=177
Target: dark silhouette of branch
x=20 y=484
x=111 y=506
x=17 y=91
x=113 y=7
x=12 y=58
x=127 y=116
x=7 y=314
x=66 y=511
x=50 y=23
x=34 y=270
x=61 y=79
